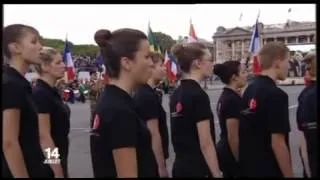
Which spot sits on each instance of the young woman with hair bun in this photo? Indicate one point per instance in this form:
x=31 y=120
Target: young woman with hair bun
x=120 y=140
x=192 y=125
x=229 y=106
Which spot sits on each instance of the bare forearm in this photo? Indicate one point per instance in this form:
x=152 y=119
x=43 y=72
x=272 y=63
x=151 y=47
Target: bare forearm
x=234 y=145
x=158 y=151
x=15 y=160
x=210 y=155
x=283 y=157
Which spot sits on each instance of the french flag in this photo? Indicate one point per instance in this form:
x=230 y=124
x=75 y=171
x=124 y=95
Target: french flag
x=192 y=34
x=102 y=67
x=254 y=48
x=67 y=58
x=171 y=66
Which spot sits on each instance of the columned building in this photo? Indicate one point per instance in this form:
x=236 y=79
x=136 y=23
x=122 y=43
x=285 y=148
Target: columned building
x=233 y=43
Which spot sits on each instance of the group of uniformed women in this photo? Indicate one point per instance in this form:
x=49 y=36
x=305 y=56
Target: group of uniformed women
x=35 y=121
x=129 y=136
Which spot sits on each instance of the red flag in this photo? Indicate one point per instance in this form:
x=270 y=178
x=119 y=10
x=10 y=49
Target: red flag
x=256 y=69
x=192 y=34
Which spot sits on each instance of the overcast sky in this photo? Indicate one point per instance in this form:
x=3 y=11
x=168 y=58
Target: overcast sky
x=81 y=21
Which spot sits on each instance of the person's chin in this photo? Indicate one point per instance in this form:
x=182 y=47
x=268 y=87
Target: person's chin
x=282 y=78
x=60 y=77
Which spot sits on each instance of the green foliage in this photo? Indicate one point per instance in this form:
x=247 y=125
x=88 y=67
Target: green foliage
x=165 y=41
x=90 y=50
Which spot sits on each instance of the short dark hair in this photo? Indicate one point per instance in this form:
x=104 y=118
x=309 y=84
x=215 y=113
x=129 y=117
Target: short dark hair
x=271 y=52
x=226 y=70
x=120 y=43
x=14 y=33
x=186 y=53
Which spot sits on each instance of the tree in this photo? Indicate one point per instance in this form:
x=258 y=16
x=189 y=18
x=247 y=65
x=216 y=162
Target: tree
x=164 y=40
x=54 y=43
x=86 y=49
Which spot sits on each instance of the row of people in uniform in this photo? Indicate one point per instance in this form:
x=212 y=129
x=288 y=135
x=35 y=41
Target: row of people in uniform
x=254 y=139
x=129 y=136
x=34 y=119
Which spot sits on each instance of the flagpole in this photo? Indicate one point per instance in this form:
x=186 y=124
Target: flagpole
x=258 y=16
x=288 y=15
x=240 y=19
x=65 y=73
x=259 y=30
x=190 y=24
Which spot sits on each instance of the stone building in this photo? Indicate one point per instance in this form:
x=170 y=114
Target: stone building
x=208 y=44
x=233 y=43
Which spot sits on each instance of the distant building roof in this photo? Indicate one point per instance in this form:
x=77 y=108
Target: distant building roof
x=270 y=28
x=208 y=43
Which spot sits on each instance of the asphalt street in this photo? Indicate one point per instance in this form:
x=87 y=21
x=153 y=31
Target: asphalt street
x=79 y=151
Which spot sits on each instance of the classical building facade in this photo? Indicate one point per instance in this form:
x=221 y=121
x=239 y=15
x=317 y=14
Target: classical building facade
x=233 y=43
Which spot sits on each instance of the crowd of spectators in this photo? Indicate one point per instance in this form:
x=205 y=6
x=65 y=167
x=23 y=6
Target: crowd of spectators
x=88 y=63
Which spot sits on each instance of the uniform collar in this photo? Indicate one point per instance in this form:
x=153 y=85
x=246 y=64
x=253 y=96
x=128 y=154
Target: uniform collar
x=44 y=85
x=266 y=79
x=12 y=72
x=148 y=87
x=226 y=89
x=116 y=91
x=190 y=82
x=313 y=82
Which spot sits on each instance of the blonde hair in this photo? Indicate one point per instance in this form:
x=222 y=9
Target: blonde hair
x=46 y=56
x=186 y=53
x=271 y=52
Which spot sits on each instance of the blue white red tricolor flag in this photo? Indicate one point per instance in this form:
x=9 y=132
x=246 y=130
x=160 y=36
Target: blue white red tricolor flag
x=101 y=65
x=254 y=48
x=67 y=58
x=171 y=66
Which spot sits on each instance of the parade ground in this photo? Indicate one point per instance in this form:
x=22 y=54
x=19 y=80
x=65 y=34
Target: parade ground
x=79 y=153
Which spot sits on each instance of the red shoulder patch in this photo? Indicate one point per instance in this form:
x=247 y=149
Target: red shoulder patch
x=252 y=104
x=179 y=107
x=96 y=121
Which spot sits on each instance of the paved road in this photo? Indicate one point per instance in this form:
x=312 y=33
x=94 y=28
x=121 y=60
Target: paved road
x=80 y=160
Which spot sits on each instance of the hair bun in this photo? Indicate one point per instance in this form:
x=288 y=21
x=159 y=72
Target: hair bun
x=102 y=36
x=177 y=50
x=219 y=69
